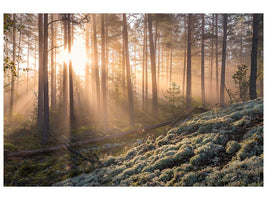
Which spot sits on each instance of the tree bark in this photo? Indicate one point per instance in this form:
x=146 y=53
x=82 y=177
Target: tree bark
x=153 y=68
x=188 y=84
x=128 y=71
x=123 y=60
x=12 y=71
x=40 y=73
x=65 y=73
x=103 y=70
x=107 y=50
x=211 y=56
x=217 y=60
x=96 y=62
x=87 y=66
x=72 y=120
x=223 y=59
x=158 y=75
x=45 y=74
x=203 y=62
x=28 y=61
x=144 y=62
x=253 y=68
x=184 y=54
x=52 y=65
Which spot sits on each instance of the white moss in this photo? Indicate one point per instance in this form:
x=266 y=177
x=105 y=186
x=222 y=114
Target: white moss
x=232 y=147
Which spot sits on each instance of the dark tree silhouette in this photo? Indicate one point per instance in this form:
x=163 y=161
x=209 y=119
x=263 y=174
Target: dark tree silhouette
x=253 y=69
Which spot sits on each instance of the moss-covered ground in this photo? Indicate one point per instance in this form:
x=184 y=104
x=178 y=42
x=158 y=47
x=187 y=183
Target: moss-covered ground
x=221 y=147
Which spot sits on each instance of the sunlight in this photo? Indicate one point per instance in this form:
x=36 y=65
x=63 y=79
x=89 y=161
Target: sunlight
x=63 y=56
x=78 y=57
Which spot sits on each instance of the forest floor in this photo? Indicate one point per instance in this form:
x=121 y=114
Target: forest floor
x=221 y=147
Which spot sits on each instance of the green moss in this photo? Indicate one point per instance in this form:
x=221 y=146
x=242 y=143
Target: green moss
x=10 y=147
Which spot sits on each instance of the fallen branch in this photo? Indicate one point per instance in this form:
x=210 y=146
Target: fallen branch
x=93 y=140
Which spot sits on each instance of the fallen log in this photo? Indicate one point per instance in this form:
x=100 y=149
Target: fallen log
x=90 y=141
x=95 y=140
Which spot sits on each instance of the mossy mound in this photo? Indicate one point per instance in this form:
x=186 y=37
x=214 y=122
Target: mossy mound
x=221 y=147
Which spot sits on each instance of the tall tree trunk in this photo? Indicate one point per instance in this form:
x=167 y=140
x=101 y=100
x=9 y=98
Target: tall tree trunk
x=146 y=67
x=203 y=62
x=167 y=68
x=107 y=51
x=45 y=74
x=223 y=59
x=128 y=71
x=40 y=73
x=19 y=60
x=156 y=38
x=103 y=70
x=158 y=75
x=93 y=86
x=144 y=63
x=123 y=61
x=70 y=30
x=35 y=62
x=211 y=56
x=55 y=66
x=217 y=60
x=153 y=68
x=184 y=53
x=13 y=70
x=253 y=69
x=170 y=82
x=87 y=66
x=241 y=41
x=188 y=84
x=65 y=72
x=96 y=62
x=52 y=65
x=28 y=61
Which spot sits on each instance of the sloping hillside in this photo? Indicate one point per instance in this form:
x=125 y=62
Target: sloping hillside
x=222 y=147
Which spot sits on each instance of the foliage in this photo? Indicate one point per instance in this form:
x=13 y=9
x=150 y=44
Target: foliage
x=176 y=102
x=242 y=82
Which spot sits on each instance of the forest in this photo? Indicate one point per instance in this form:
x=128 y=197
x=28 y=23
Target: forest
x=133 y=99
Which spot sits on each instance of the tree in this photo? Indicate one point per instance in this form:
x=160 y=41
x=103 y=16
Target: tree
x=216 y=53
x=87 y=66
x=40 y=80
x=253 y=68
x=45 y=75
x=153 y=67
x=70 y=73
x=96 y=69
x=223 y=59
x=184 y=54
x=65 y=70
x=203 y=62
x=188 y=74
x=211 y=54
x=128 y=71
x=103 y=70
x=14 y=61
x=144 y=62
x=53 y=71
